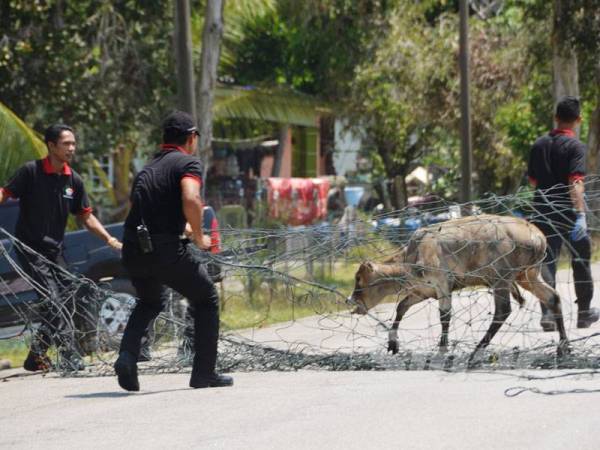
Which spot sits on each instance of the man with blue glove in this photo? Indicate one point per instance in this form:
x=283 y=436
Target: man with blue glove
x=557 y=170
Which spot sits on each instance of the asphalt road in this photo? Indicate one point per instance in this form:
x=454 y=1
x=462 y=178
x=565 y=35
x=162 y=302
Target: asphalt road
x=302 y=410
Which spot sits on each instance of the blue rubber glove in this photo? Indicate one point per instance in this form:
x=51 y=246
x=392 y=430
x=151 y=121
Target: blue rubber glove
x=579 y=231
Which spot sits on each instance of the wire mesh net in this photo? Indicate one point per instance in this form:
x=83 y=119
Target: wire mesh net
x=284 y=299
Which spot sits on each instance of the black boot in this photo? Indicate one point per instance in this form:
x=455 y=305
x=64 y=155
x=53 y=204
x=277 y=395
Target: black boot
x=126 y=370
x=37 y=362
x=204 y=375
x=214 y=380
x=586 y=317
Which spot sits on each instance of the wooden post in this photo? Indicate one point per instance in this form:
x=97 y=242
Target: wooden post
x=465 y=114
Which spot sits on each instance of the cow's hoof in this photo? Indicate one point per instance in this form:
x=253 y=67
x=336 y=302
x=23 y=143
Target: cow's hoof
x=474 y=362
x=472 y=365
x=563 y=349
x=393 y=347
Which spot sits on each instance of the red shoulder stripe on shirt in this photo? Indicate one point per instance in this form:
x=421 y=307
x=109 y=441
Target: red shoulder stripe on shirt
x=532 y=181
x=85 y=212
x=577 y=176
x=193 y=177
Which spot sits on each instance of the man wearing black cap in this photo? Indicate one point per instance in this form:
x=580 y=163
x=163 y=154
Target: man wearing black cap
x=48 y=190
x=557 y=171
x=164 y=196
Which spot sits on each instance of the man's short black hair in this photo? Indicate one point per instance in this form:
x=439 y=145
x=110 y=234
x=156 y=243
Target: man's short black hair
x=53 y=132
x=568 y=109
x=177 y=126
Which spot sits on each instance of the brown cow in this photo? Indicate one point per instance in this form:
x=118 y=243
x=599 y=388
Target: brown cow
x=494 y=251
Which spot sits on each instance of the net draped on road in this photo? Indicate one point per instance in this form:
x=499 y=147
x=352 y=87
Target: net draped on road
x=284 y=302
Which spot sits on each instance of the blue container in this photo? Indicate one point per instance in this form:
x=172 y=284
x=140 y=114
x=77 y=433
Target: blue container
x=353 y=194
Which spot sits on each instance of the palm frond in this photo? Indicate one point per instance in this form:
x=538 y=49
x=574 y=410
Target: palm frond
x=18 y=143
x=237 y=14
x=273 y=105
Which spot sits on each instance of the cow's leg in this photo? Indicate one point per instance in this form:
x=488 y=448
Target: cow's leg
x=445 y=316
x=532 y=281
x=501 y=312
x=401 y=309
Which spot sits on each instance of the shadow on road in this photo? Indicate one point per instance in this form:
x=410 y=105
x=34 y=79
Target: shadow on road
x=121 y=394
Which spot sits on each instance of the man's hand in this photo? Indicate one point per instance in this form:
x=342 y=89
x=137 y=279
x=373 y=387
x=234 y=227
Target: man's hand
x=202 y=242
x=579 y=231
x=114 y=243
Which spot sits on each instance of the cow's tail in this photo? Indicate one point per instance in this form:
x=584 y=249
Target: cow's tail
x=516 y=293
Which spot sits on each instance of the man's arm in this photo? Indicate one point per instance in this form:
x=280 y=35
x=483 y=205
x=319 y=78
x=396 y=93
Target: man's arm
x=3 y=195
x=576 y=191
x=193 y=211
x=92 y=223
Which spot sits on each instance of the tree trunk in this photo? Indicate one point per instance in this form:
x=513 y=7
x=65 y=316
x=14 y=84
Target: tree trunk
x=400 y=197
x=185 y=67
x=211 y=49
x=564 y=58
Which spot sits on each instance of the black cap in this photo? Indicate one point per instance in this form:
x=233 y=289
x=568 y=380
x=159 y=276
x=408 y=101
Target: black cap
x=179 y=123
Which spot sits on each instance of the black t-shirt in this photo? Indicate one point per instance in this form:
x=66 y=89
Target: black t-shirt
x=45 y=200
x=555 y=160
x=156 y=192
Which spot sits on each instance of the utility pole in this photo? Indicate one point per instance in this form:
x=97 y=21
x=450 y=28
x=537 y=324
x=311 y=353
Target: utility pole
x=186 y=96
x=465 y=114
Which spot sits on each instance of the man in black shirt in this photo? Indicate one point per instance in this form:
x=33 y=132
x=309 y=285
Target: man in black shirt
x=557 y=171
x=48 y=190
x=164 y=196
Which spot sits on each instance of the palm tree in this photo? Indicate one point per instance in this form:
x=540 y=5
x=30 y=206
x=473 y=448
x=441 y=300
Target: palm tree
x=18 y=142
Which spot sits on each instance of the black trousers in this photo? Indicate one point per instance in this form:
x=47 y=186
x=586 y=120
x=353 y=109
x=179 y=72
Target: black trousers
x=56 y=310
x=558 y=233
x=172 y=264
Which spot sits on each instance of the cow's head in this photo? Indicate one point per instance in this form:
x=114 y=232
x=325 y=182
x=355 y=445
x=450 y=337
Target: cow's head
x=372 y=283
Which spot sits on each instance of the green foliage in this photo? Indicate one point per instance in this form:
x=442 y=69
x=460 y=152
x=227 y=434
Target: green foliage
x=312 y=46
x=19 y=143
x=406 y=95
x=406 y=90
x=102 y=66
x=516 y=121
